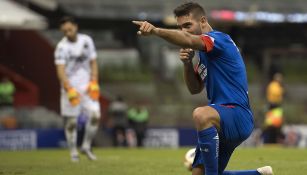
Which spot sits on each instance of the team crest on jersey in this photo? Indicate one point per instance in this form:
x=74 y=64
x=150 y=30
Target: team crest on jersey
x=202 y=71
x=81 y=58
x=85 y=46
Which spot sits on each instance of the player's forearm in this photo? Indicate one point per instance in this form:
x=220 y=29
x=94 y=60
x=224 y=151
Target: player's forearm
x=180 y=38
x=62 y=76
x=94 y=70
x=191 y=79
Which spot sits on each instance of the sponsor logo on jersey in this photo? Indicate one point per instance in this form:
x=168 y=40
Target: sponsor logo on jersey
x=202 y=71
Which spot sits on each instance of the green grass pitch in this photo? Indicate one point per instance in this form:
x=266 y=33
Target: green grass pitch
x=144 y=162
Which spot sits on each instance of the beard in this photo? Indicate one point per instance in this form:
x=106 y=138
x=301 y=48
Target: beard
x=198 y=30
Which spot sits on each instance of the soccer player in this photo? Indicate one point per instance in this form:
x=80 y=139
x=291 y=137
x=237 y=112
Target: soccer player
x=227 y=120
x=75 y=59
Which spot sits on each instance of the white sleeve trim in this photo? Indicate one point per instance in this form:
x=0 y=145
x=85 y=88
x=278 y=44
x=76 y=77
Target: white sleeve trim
x=57 y=61
x=93 y=56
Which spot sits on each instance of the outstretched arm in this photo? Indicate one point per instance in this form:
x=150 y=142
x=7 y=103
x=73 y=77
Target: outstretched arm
x=177 y=37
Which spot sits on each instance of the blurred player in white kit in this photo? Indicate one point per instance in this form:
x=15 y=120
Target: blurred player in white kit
x=75 y=59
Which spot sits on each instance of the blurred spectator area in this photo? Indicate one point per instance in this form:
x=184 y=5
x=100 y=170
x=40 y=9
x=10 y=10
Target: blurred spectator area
x=27 y=57
x=159 y=9
x=27 y=93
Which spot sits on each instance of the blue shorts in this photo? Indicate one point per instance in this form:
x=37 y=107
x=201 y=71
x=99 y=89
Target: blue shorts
x=236 y=126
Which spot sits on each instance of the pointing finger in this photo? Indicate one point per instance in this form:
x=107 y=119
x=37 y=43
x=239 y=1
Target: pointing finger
x=137 y=22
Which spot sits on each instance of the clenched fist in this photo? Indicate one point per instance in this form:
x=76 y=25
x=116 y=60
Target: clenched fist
x=186 y=55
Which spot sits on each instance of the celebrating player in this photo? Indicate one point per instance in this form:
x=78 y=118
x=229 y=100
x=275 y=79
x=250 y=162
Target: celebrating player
x=227 y=120
x=75 y=59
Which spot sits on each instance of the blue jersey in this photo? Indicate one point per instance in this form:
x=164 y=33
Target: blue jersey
x=222 y=70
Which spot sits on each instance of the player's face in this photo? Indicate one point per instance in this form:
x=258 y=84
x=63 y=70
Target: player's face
x=69 y=30
x=189 y=24
x=278 y=77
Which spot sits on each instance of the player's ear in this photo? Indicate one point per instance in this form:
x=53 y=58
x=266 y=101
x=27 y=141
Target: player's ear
x=203 y=20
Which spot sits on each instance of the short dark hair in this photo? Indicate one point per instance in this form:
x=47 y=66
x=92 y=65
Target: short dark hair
x=66 y=19
x=189 y=7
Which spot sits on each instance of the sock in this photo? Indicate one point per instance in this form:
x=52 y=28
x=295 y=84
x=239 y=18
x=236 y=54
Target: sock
x=90 y=132
x=208 y=141
x=71 y=135
x=247 y=172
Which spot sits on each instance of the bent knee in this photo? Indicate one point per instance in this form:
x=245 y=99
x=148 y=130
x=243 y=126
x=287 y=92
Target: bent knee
x=94 y=120
x=71 y=124
x=94 y=117
x=205 y=115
